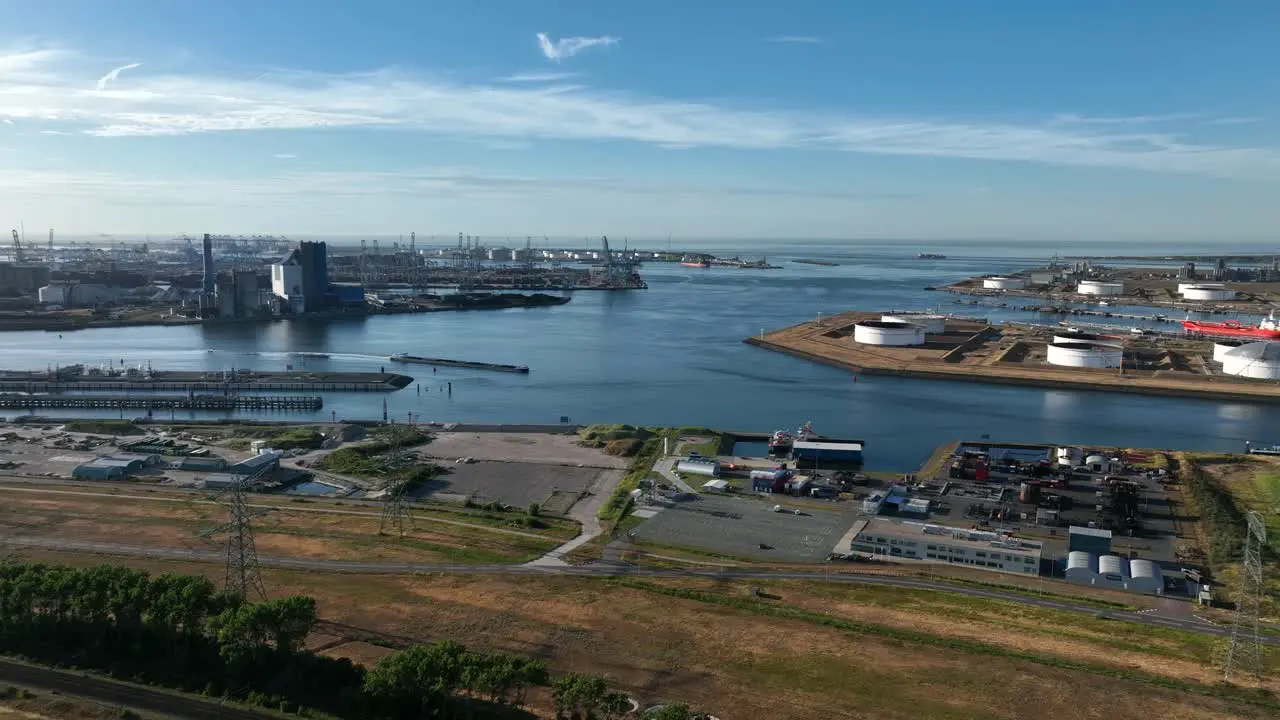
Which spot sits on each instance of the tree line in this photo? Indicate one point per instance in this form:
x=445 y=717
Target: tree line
x=180 y=631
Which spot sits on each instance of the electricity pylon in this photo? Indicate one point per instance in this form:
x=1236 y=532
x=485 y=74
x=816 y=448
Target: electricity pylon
x=1245 y=651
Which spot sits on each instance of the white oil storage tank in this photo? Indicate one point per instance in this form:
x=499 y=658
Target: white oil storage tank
x=1206 y=291
x=1260 y=360
x=1004 y=283
x=932 y=324
x=1071 y=456
x=1085 y=355
x=1222 y=347
x=879 y=332
x=1100 y=287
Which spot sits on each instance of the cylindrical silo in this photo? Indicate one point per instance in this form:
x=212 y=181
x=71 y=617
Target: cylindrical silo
x=1100 y=287
x=1222 y=347
x=1259 y=360
x=878 y=332
x=1004 y=283
x=1085 y=355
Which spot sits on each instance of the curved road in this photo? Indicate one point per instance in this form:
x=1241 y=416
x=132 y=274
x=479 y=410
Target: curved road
x=612 y=570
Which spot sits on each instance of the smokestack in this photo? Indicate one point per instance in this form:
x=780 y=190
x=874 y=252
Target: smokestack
x=209 y=275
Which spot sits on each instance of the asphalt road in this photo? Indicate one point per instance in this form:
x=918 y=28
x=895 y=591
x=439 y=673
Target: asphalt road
x=617 y=570
x=120 y=694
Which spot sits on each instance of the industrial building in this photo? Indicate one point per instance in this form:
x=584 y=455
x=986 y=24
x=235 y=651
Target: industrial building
x=819 y=452
x=114 y=467
x=1081 y=354
x=911 y=540
x=1004 y=283
x=19 y=278
x=1258 y=360
x=879 y=332
x=1100 y=287
x=301 y=278
x=707 y=467
x=1113 y=571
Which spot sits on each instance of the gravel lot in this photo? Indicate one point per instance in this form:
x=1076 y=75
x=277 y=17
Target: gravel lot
x=519 y=447
x=736 y=527
x=514 y=483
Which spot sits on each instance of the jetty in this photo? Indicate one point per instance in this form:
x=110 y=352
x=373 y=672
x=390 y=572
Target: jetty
x=18 y=401
x=469 y=364
x=76 y=378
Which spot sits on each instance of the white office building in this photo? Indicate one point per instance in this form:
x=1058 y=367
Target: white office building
x=907 y=540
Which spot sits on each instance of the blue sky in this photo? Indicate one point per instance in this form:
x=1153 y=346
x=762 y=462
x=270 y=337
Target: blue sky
x=1048 y=121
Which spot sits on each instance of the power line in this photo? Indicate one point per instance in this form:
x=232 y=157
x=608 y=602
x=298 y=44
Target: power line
x=1245 y=651
x=395 y=510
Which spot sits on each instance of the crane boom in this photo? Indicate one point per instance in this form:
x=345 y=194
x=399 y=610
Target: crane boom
x=17 y=247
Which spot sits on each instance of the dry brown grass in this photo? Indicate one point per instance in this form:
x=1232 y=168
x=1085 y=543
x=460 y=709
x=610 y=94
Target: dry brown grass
x=744 y=664
x=302 y=532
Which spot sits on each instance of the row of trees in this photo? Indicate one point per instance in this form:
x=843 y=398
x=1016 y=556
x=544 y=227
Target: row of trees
x=179 y=631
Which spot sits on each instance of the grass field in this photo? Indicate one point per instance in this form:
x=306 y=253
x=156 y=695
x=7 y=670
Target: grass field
x=809 y=650
x=290 y=527
x=1252 y=482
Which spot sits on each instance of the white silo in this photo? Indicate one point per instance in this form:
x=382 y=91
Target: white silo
x=879 y=332
x=1004 y=283
x=1100 y=287
x=1085 y=355
x=1260 y=360
x=1206 y=292
x=931 y=323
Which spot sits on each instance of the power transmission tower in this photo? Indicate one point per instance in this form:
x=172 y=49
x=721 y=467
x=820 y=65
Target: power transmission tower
x=244 y=576
x=1245 y=651
x=395 y=510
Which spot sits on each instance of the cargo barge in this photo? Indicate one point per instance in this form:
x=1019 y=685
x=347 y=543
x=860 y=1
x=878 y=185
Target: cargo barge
x=404 y=358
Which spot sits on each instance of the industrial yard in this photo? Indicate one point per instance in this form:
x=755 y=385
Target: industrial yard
x=1252 y=289
x=937 y=347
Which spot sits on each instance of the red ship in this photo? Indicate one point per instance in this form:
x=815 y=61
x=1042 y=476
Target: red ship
x=693 y=262
x=1268 y=329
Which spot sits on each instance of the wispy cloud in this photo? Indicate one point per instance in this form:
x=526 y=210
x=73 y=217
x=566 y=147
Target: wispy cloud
x=52 y=94
x=7 y=121
x=536 y=77
x=54 y=132
x=570 y=46
x=797 y=39
x=110 y=77
x=284 y=156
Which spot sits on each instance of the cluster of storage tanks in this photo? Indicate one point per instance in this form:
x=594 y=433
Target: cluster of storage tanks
x=1205 y=291
x=1084 y=350
x=898 y=330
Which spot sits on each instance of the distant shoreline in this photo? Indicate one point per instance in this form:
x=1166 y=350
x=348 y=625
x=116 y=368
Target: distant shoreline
x=496 y=302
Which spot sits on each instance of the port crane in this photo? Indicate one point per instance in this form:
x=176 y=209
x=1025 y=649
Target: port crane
x=17 y=247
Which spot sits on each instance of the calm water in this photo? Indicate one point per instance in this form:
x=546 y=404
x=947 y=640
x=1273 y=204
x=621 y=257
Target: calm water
x=673 y=355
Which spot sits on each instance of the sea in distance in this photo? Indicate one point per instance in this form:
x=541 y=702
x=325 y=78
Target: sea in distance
x=673 y=355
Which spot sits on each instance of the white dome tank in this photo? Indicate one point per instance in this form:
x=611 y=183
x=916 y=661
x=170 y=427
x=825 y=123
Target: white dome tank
x=1004 y=283
x=1085 y=355
x=1100 y=287
x=931 y=323
x=1206 y=292
x=1260 y=360
x=1222 y=347
x=1067 y=336
x=879 y=332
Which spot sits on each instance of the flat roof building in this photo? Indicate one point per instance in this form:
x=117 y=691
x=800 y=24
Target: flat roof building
x=908 y=540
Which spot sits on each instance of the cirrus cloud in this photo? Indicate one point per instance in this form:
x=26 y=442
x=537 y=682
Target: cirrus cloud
x=48 y=88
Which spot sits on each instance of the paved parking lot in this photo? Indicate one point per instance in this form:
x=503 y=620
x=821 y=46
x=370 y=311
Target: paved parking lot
x=512 y=483
x=734 y=526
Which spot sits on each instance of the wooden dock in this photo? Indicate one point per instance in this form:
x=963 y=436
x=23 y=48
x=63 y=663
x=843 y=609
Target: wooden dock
x=18 y=401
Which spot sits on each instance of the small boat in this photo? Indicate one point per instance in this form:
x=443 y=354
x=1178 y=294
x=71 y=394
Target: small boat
x=780 y=443
x=930 y=256
x=694 y=261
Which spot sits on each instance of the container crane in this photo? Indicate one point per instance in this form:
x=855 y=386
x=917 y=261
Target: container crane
x=17 y=247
